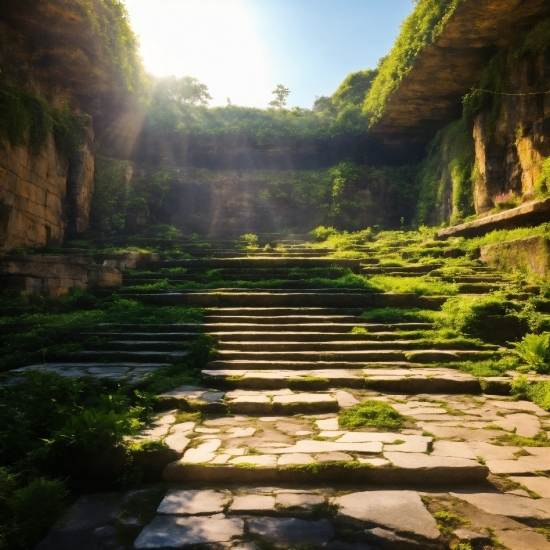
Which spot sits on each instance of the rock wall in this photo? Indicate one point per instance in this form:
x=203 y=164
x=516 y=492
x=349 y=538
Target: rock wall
x=240 y=201
x=78 y=57
x=429 y=95
x=55 y=275
x=43 y=194
x=511 y=146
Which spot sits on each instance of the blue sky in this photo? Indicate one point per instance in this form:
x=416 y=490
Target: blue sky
x=242 y=49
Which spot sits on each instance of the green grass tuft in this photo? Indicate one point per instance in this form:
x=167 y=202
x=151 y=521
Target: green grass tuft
x=372 y=414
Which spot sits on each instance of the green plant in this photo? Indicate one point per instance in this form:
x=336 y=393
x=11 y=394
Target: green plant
x=534 y=349
x=28 y=508
x=250 y=239
x=375 y=414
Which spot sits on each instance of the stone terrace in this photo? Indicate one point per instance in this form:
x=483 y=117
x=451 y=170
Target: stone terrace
x=257 y=457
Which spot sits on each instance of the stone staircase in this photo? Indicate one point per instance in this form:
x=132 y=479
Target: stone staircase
x=259 y=457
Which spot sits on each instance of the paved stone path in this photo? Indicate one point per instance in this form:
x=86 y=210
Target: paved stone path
x=258 y=458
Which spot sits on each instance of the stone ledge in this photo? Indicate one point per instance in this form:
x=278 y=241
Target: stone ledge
x=56 y=275
x=526 y=215
x=531 y=254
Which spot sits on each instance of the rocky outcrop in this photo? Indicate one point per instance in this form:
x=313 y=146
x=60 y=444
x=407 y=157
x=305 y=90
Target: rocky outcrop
x=43 y=193
x=529 y=255
x=78 y=57
x=429 y=96
x=234 y=202
x=512 y=145
x=55 y=275
x=526 y=215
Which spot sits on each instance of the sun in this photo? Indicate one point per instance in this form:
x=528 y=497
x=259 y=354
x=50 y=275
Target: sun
x=216 y=41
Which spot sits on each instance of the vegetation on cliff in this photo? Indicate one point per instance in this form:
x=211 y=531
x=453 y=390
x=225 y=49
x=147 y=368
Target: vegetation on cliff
x=494 y=83
x=445 y=177
x=420 y=29
x=28 y=119
x=341 y=196
x=109 y=21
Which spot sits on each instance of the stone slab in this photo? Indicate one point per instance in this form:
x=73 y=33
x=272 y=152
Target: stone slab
x=524 y=215
x=289 y=532
x=537 y=484
x=178 y=532
x=399 y=511
x=303 y=501
x=252 y=504
x=522 y=540
x=191 y=502
x=520 y=508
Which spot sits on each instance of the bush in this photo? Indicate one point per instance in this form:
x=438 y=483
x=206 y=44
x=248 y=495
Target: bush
x=28 y=510
x=534 y=349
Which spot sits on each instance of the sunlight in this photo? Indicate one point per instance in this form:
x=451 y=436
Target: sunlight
x=216 y=41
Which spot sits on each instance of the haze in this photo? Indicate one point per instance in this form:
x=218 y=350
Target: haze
x=242 y=49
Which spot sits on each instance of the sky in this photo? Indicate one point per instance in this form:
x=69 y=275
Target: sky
x=241 y=49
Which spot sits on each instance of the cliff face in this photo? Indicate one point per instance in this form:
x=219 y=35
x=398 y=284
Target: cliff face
x=43 y=193
x=429 y=95
x=63 y=56
x=233 y=202
x=512 y=135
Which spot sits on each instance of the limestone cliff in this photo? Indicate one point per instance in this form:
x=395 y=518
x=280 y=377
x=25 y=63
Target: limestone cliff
x=58 y=59
x=233 y=202
x=429 y=95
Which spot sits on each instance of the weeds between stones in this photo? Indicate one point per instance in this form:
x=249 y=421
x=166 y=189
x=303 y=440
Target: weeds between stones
x=372 y=414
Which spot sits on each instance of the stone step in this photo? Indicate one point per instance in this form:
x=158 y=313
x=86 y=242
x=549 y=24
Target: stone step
x=345 y=328
x=412 y=268
x=146 y=337
x=281 y=311
x=284 y=336
x=266 y=365
x=289 y=299
x=118 y=356
x=347 y=346
x=474 y=279
x=479 y=288
x=414 y=355
x=179 y=328
x=264 y=262
x=282 y=319
x=400 y=380
x=129 y=372
x=159 y=346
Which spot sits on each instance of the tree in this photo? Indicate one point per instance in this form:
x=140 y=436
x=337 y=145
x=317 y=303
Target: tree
x=280 y=93
x=183 y=91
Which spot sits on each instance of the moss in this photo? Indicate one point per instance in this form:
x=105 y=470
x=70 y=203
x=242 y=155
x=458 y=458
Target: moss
x=27 y=118
x=446 y=177
x=318 y=467
x=371 y=413
x=540 y=440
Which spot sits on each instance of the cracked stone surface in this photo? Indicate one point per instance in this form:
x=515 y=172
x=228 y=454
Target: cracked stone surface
x=400 y=511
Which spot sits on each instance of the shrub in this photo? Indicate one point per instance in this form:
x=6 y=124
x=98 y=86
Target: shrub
x=28 y=509
x=250 y=239
x=534 y=349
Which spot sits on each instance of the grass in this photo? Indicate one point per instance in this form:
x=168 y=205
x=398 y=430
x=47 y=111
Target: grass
x=398 y=315
x=540 y=440
x=537 y=392
x=423 y=286
x=54 y=326
x=490 y=367
x=371 y=414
